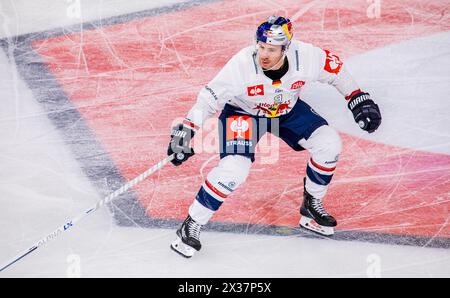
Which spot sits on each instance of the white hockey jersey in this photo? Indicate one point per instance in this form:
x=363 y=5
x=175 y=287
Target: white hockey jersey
x=242 y=83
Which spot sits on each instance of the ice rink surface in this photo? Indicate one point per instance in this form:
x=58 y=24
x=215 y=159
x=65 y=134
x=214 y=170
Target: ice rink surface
x=89 y=92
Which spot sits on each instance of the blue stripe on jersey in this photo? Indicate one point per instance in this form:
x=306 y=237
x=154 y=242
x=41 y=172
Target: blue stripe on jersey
x=207 y=200
x=317 y=177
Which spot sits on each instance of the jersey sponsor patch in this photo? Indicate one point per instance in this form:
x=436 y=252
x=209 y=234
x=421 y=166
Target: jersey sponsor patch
x=274 y=110
x=297 y=85
x=239 y=127
x=332 y=64
x=255 y=90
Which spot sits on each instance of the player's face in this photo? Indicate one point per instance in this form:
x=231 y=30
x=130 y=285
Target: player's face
x=269 y=55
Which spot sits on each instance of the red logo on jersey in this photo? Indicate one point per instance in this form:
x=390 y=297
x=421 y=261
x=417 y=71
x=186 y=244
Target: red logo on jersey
x=239 y=127
x=297 y=85
x=255 y=90
x=273 y=110
x=332 y=64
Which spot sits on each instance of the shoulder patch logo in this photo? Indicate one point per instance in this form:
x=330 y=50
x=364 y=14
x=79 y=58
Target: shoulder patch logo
x=332 y=64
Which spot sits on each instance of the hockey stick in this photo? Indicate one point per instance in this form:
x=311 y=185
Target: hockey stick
x=99 y=204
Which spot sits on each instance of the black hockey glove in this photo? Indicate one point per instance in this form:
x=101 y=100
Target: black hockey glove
x=365 y=111
x=180 y=144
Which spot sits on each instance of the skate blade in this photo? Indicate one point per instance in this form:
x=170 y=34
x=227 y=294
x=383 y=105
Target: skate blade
x=311 y=224
x=184 y=250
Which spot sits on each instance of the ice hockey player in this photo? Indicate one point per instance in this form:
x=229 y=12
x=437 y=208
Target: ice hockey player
x=258 y=91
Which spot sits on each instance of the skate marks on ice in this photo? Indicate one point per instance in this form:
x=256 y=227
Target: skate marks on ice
x=108 y=86
x=90 y=153
x=409 y=83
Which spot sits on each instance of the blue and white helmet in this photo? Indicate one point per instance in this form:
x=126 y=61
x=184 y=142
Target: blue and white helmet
x=276 y=31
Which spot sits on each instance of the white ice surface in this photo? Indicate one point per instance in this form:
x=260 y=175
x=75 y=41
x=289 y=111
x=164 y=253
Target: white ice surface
x=23 y=16
x=42 y=186
x=410 y=83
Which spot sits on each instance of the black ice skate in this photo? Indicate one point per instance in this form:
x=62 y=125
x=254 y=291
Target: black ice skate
x=313 y=215
x=188 y=238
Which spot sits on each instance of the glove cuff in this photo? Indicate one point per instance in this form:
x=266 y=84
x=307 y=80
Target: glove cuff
x=182 y=131
x=191 y=125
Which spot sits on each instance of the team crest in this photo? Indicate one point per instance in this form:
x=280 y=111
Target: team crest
x=332 y=64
